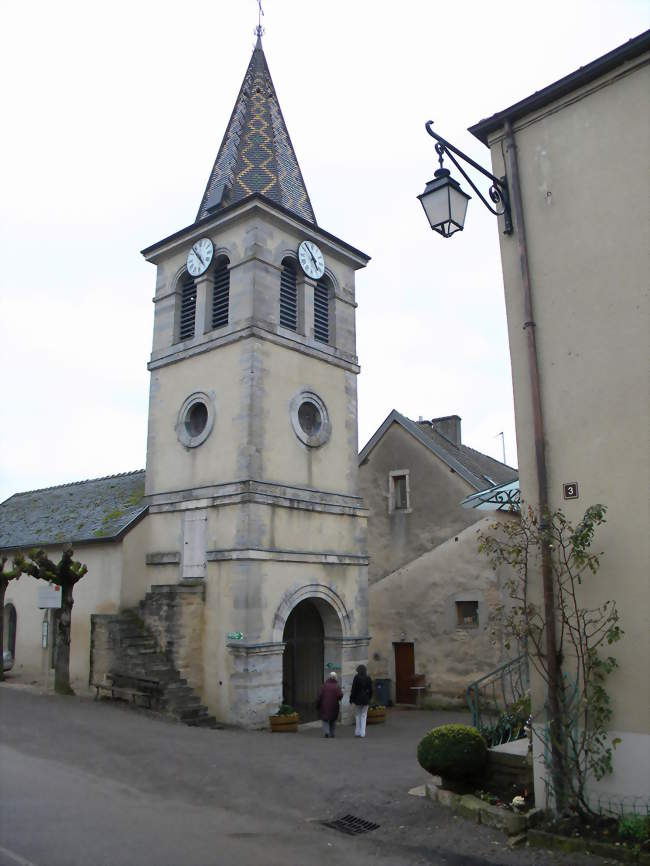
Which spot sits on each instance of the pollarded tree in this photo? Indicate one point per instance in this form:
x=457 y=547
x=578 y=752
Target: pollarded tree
x=5 y=576
x=64 y=573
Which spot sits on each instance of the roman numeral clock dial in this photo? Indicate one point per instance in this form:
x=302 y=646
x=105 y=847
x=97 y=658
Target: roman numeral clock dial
x=199 y=257
x=311 y=260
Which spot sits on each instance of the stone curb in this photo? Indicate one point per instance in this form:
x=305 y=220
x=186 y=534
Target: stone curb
x=513 y=825
x=474 y=809
x=541 y=839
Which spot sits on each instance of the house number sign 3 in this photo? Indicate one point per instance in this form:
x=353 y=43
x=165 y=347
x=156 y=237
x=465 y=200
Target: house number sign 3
x=570 y=490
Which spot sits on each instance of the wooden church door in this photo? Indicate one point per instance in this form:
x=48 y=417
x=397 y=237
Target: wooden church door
x=303 y=660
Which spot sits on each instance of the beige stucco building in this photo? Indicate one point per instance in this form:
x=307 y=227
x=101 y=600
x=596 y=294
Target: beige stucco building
x=434 y=601
x=251 y=496
x=582 y=147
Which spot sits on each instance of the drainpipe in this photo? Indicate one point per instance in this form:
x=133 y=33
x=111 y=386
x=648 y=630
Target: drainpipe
x=552 y=661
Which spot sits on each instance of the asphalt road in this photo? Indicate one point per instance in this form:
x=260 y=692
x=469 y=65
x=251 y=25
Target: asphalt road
x=98 y=784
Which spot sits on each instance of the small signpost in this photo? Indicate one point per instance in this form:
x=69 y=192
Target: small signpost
x=49 y=596
x=235 y=635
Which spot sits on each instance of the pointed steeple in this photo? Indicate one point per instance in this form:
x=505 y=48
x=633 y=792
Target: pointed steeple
x=256 y=154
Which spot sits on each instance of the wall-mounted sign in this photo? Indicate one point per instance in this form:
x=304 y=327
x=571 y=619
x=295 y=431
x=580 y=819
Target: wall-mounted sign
x=49 y=596
x=333 y=667
x=570 y=490
x=235 y=635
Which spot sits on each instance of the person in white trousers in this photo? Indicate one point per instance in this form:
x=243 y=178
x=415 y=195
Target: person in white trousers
x=360 y=696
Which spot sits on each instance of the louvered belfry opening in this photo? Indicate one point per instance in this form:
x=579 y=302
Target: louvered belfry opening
x=188 y=308
x=288 y=295
x=221 y=293
x=322 y=310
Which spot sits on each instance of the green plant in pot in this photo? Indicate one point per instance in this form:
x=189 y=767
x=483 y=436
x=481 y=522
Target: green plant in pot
x=457 y=753
x=285 y=720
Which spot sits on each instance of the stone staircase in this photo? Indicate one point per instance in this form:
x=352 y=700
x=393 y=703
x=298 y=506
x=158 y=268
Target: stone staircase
x=134 y=651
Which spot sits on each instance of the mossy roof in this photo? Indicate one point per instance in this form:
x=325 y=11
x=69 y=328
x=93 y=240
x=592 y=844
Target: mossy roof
x=100 y=509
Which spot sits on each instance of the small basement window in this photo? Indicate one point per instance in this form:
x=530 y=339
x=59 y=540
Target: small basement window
x=467 y=614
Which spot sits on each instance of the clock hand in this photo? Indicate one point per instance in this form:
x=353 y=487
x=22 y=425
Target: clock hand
x=198 y=255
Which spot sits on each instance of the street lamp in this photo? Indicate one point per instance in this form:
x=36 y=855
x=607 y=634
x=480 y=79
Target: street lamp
x=445 y=203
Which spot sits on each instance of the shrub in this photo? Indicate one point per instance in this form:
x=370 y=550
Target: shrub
x=636 y=828
x=285 y=710
x=453 y=751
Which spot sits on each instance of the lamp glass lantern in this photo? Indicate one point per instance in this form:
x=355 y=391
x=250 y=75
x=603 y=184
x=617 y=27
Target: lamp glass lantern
x=444 y=203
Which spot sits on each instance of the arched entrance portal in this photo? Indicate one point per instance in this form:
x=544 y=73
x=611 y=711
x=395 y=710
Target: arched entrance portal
x=303 y=660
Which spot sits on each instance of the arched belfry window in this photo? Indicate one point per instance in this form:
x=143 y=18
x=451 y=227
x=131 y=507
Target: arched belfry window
x=221 y=292
x=288 y=295
x=322 y=293
x=188 y=307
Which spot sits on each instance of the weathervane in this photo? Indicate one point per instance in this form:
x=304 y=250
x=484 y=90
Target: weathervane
x=259 y=30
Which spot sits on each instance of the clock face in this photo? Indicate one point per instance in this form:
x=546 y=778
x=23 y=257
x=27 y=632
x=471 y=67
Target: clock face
x=199 y=257
x=311 y=260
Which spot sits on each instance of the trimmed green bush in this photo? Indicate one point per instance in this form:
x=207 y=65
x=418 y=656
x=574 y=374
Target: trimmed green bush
x=453 y=751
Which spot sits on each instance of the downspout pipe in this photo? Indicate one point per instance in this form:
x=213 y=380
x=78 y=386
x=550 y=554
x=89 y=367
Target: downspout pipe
x=552 y=661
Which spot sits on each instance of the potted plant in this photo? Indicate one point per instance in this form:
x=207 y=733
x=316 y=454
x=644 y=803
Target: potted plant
x=376 y=714
x=285 y=720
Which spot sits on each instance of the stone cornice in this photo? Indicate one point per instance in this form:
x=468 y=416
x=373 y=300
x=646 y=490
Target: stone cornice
x=259 y=492
x=249 y=207
x=262 y=331
x=266 y=555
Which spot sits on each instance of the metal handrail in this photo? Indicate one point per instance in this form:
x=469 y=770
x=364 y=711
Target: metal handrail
x=492 y=700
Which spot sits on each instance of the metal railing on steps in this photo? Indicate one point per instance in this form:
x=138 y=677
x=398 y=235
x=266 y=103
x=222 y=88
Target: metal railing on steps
x=500 y=702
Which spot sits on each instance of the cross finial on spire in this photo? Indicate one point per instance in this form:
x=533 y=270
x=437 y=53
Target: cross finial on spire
x=259 y=30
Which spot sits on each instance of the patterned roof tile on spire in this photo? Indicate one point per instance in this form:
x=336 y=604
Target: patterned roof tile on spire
x=256 y=154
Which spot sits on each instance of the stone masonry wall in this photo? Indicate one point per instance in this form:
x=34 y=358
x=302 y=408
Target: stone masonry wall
x=174 y=614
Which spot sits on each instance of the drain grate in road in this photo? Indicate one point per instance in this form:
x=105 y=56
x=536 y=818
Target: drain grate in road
x=351 y=825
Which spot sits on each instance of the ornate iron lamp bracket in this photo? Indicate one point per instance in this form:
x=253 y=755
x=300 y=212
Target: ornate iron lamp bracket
x=498 y=191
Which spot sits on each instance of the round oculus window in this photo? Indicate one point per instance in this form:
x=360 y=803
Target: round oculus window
x=195 y=419
x=310 y=419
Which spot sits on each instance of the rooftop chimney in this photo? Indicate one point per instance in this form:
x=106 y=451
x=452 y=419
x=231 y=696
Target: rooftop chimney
x=449 y=427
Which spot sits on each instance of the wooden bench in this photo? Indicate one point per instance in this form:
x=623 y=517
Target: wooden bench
x=126 y=686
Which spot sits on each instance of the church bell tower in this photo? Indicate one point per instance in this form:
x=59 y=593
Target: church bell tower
x=252 y=477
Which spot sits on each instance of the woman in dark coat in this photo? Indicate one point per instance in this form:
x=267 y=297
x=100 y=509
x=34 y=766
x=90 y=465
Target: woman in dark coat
x=328 y=701
x=360 y=696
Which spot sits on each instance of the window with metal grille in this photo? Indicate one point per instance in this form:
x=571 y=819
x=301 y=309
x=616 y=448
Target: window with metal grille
x=221 y=293
x=188 y=308
x=288 y=295
x=322 y=311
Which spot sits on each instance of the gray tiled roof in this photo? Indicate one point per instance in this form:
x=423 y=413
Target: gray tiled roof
x=479 y=464
x=256 y=154
x=476 y=468
x=101 y=509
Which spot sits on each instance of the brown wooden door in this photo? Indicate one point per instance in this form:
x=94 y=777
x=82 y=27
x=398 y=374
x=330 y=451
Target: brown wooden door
x=303 y=660
x=404 y=673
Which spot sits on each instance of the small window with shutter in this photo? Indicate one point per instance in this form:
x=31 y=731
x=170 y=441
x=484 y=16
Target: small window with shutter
x=188 y=308
x=221 y=293
x=288 y=295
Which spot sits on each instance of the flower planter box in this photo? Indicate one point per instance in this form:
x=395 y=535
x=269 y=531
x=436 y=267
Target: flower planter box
x=376 y=716
x=284 y=724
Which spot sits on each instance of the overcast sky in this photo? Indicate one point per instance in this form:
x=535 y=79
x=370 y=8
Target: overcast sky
x=112 y=115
